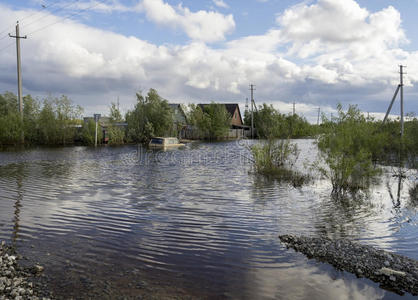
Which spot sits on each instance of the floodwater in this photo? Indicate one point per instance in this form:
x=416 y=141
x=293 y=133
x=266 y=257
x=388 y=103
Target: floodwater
x=189 y=223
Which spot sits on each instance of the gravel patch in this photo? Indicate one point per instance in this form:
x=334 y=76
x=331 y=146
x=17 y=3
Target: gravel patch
x=393 y=271
x=14 y=280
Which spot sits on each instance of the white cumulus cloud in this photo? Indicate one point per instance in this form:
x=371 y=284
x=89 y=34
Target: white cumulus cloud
x=299 y=60
x=207 y=26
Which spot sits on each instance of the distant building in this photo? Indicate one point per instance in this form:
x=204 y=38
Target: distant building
x=234 y=112
x=179 y=119
x=104 y=123
x=178 y=113
x=238 y=129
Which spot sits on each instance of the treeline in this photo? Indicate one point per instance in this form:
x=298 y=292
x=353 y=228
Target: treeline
x=352 y=147
x=51 y=121
x=58 y=121
x=270 y=123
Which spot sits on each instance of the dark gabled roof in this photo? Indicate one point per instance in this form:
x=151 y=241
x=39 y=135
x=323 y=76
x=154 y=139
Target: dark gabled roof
x=177 y=107
x=230 y=107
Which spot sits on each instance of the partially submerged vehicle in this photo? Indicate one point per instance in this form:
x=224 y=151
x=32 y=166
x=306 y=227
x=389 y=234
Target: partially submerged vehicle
x=165 y=142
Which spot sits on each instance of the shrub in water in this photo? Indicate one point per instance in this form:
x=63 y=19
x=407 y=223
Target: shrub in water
x=276 y=158
x=345 y=147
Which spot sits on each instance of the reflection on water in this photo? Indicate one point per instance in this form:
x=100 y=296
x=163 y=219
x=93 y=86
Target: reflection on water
x=126 y=221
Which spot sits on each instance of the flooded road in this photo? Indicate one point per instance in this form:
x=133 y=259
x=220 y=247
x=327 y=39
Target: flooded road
x=193 y=222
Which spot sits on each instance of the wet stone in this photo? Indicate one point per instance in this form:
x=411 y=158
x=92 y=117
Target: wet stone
x=395 y=272
x=14 y=280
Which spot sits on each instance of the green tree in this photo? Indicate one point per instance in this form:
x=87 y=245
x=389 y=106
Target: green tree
x=31 y=111
x=151 y=116
x=11 y=127
x=213 y=121
x=88 y=133
x=57 y=120
x=345 y=148
x=116 y=134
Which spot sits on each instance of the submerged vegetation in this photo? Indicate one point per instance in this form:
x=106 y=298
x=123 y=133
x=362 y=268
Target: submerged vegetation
x=347 y=148
x=276 y=158
x=151 y=116
x=351 y=147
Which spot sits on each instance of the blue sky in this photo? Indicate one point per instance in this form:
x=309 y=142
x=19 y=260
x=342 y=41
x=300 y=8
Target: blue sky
x=316 y=53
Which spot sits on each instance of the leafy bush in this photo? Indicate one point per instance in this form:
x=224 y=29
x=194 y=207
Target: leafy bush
x=270 y=123
x=347 y=146
x=213 y=120
x=276 y=158
x=89 y=133
x=151 y=116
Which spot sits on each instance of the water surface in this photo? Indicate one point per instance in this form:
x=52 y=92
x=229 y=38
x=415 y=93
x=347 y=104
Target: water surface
x=121 y=221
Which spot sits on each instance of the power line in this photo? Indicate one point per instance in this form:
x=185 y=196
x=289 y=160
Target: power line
x=31 y=15
x=52 y=12
x=67 y=17
x=27 y=17
x=56 y=22
x=1 y=49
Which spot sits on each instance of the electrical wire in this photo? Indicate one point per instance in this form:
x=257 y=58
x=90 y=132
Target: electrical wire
x=97 y=2
x=52 y=12
x=67 y=17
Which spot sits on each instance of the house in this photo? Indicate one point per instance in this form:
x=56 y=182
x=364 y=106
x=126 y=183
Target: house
x=178 y=113
x=234 y=112
x=179 y=119
x=238 y=129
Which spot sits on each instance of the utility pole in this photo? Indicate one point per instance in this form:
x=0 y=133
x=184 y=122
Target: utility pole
x=96 y=119
x=252 y=109
x=319 y=112
x=398 y=89
x=293 y=108
x=401 y=85
x=19 y=76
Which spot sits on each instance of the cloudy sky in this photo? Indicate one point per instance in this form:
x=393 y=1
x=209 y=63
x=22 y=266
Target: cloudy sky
x=314 y=53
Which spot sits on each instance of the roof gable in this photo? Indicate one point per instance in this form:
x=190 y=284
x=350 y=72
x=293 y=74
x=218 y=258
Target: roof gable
x=230 y=108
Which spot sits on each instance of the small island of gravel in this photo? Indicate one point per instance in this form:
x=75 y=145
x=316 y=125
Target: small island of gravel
x=393 y=271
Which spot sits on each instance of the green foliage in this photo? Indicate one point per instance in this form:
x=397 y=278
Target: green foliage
x=51 y=123
x=116 y=134
x=11 y=127
x=151 y=116
x=213 y=121
x=276 y=158
x=270 y=123
x=31 y=110
x=114 y=113
x=347 y=146
x=411 y=142
x=57 y=120
x=89 y=131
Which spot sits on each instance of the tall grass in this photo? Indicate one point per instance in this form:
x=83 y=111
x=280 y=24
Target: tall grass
x=276 y=159
x=348 y=146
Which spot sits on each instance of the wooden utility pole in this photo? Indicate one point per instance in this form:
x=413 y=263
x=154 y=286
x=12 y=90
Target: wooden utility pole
x=252 y=109
x=19 y=75
x=319 y=112
x=399 y=88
